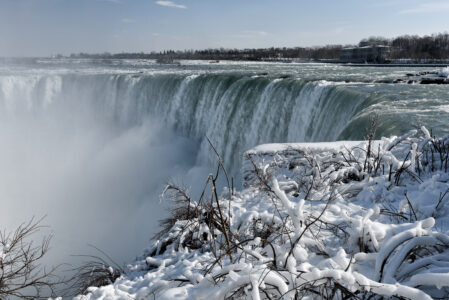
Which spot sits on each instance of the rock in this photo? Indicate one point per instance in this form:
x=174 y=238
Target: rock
x=384 y=81
x=398 y=80
x=434 y=81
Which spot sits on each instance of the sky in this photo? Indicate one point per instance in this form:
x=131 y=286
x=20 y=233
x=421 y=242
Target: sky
x=48 y=27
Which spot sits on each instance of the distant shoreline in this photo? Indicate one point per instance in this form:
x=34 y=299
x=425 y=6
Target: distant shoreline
x=396 y=65
x=335 y=62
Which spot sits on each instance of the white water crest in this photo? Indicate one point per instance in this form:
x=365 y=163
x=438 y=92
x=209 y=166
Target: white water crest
x=444 y=72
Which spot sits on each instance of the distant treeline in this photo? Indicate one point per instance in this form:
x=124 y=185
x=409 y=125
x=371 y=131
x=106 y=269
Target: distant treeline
x=412 y=47
x=433 y=47
x=311 y=53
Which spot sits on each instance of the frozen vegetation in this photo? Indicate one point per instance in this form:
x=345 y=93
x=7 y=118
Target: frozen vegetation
x=359 y=220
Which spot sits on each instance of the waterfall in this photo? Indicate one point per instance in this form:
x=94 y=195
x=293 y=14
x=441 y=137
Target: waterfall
x=235 y=111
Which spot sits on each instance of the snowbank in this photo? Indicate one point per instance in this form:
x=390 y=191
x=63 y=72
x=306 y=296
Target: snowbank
x=268 y=149
x=332 y=220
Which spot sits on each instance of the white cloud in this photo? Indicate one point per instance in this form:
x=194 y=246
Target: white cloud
x=390 y=3
x=170 y=4
x=250 y=34
x=339 y=30
x=429 y=7
x=255 y=32
x=126 y=20
x=111 y=1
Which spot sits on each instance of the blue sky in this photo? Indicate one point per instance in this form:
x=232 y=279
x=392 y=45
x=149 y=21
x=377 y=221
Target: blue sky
x=45 y=27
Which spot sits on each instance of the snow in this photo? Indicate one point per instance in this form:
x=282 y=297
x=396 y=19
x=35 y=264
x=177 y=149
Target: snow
x=437 y=279
x=277 y=147
x=311 y=216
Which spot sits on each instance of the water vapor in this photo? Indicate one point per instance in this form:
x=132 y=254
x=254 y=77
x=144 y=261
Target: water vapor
x=96 y=182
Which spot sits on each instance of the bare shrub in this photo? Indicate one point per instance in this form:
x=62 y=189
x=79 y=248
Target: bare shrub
x=96 y=271
x=21 y=273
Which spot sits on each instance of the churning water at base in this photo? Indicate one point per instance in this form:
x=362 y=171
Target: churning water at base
x=91 y=143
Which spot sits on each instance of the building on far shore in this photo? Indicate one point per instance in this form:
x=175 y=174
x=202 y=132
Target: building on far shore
x=365 y=54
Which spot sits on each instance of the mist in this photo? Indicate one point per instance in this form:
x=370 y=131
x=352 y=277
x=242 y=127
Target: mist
x=97 y=181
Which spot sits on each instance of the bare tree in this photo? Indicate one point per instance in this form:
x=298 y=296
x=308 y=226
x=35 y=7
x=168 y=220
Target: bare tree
x=21 y=273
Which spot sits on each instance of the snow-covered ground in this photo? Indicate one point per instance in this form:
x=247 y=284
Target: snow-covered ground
x=334 y=221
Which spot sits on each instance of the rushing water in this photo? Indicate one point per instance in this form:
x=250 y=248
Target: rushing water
x=90 y=143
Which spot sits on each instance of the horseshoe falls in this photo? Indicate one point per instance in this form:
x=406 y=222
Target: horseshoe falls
x=91 y=143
